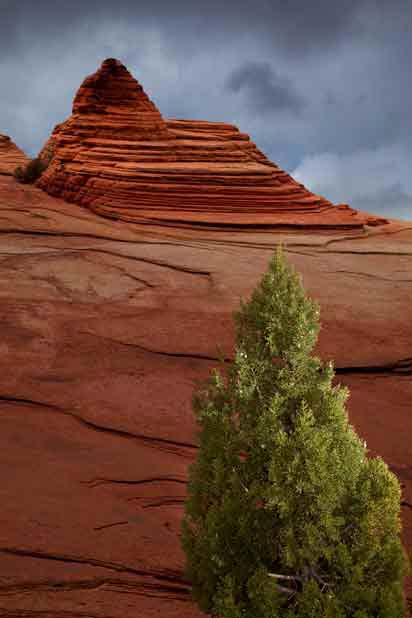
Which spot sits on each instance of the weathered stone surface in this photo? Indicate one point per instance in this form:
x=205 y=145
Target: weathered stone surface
x=104 y=329
x=117 y=156
x=10 y=156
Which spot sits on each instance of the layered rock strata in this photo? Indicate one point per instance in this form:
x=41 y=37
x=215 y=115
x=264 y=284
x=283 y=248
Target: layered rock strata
x=106 y=330
x=117 y=156
x=10 y=156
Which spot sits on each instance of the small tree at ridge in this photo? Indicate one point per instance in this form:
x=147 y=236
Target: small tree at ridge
x=31 y=171
x=286 y=515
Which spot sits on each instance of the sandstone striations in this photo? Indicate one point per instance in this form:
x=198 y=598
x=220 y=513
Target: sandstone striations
x=10 y=156
x=120 y=158
x=105 y=330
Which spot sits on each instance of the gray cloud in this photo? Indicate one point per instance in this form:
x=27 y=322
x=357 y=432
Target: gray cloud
x=391 y=201
x=376 y=180
x=294 y=25
x=343 y=69
x=266 y=90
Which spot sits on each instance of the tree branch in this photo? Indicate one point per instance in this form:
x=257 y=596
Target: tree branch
x=319 y=579
x=294 y=578
x=291 y=577
x=298 y=578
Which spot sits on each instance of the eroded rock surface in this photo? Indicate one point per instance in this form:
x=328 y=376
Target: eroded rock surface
x=120 y=158
x=10 y=156
x=105 y=329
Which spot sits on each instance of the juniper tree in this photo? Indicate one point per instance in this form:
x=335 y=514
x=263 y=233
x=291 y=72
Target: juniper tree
x=286 y=515
x=31 y=171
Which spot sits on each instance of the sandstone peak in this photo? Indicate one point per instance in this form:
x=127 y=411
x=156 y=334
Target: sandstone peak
x=10 y=155
x=120 y=158
x=113 y=65
x=110 y=90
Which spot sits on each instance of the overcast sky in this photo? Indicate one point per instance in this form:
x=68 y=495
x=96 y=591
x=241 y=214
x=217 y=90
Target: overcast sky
x=324 y=87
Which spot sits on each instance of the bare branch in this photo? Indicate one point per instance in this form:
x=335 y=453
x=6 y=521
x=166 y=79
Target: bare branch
x=297 y=578
x=319 y=578
x=279 y=576
x=294 y=578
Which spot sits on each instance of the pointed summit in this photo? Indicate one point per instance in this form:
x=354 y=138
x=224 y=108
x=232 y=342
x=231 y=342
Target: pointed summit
x=10 y=156
x=112 y=89
x=109 y=105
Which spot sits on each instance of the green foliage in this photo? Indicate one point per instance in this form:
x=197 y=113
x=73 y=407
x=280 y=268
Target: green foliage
x=30 y=172
x=286 y=515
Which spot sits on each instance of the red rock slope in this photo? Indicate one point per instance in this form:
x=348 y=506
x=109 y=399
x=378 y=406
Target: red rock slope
x=120 y=158
x=10 y=156
x=105 y=330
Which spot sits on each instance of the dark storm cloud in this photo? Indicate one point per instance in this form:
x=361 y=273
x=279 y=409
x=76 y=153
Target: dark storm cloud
x=294 y=25
x=322 y=87
x=266 y=90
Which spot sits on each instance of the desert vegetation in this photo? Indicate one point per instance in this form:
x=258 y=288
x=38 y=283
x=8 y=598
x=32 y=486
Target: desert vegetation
x=286 y=515
x=30 y=172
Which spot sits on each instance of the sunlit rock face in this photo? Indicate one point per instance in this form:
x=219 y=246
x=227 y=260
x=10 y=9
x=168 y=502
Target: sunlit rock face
x=117 y=156
x=10 y=156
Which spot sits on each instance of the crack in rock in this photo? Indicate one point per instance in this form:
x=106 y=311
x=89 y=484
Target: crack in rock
x=401 y=367
x=173 y=446
x=96 y=482
x=115 y=523
x=369 y=275
x=160 y=502
x=123 y=271
x=45 y=613
x=385 y=253
x=46 y=585
x=161 y=263
x=162 y=575
x=138 y=346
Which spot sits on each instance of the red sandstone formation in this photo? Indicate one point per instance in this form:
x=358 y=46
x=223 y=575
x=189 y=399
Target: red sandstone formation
x=10 y=156
x=120 y=158
x=105 y=330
